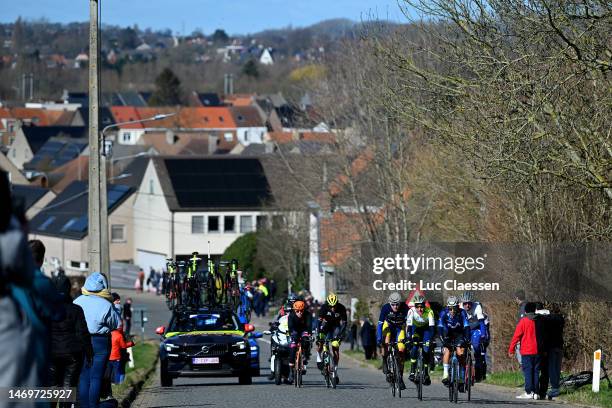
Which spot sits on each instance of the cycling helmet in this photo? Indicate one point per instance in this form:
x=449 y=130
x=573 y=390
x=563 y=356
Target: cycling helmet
x=418 y=299
x=452 y=301
x=298 y=306
x=395 y=298
x=467 y=297
x=292 y=297
x=332 y=299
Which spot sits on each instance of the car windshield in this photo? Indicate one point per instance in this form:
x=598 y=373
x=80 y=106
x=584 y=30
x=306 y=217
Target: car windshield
x=204 y=322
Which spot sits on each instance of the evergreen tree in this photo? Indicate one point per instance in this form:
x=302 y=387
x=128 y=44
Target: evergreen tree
x=167 y=89
x=250 y=69
x=220 y=36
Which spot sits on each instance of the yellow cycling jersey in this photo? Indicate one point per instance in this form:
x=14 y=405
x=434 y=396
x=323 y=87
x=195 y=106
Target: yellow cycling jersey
x=421 y=320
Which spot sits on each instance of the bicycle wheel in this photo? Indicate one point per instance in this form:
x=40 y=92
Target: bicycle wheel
x=420 y=375
x=297 y=368
x=455 y=381
x=391 y=370
x=469 y=376
x=451 y=384
x=332 y=370
x=326 y=369
x=396 y=383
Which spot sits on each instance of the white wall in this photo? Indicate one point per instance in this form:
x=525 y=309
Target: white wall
x=248 y=135
x=186 y=242
x=151 y=216
x=133 y=135
x=20 y=152
x=65 y=250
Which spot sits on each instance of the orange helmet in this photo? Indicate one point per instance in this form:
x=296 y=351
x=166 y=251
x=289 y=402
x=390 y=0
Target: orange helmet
x=298 y=305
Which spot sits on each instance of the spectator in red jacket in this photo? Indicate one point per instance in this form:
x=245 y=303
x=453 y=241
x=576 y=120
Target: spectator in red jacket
x=117 y=357
x=525 y=333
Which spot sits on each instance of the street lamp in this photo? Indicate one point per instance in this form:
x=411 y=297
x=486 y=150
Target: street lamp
x=106 y=151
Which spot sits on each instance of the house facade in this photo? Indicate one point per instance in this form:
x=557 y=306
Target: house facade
x=193 y=204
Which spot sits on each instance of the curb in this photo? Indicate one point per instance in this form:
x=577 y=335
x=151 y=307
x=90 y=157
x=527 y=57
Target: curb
x=137 y=385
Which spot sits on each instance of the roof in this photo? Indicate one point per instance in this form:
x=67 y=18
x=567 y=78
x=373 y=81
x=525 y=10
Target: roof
x=206 y=99
x=66 y=215
x=16 y=176
x=29 y=194
x=247 y=116
x=37 y=136
x=105 y=116
x=214 y=117
x=56 y=152
x=281 y=137
x=213 y=183
x=76 y=169
x=126 y=114
x=323 y=137
x=240 y=99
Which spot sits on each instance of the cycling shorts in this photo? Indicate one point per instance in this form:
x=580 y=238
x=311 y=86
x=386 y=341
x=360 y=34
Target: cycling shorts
x=454 y=340
x=398 y=333
x=331 y=335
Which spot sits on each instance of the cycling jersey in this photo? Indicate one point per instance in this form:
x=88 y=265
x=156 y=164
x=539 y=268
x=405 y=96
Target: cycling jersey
x=299 y=325
x=384 y=311
x=333 y=318
x=453 y=325
x=477 y=319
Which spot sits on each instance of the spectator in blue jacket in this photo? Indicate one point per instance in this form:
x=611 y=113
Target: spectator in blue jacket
x=102 y=318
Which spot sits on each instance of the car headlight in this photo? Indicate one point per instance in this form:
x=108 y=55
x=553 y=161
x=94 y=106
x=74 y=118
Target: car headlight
x=170 y=347
x=241 y=345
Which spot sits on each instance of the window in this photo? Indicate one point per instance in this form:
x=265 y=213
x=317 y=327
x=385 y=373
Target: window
x=83 y=266
x=229 y=223
x=246 y=223
x=228 y=137
x=220 y=118
x=262 y=222
x=151 y=190
x=118 y=233
x=126 y=136
x=213 y=223
x=197 y=224
x=246 y=136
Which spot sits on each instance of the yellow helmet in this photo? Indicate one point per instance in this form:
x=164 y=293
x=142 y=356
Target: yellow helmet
x=332 y=299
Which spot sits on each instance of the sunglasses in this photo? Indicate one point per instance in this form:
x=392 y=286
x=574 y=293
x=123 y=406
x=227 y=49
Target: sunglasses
x=299 y=311
x=420 y=307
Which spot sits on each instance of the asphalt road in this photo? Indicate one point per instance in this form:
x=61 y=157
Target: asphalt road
x=359 y=387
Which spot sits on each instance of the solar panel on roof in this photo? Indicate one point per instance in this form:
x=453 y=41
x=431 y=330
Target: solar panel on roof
x=79 y=225
x=68 y=224
x=47 y=222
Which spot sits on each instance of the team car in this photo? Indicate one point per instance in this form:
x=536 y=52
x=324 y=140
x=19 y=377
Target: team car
x=208 y=343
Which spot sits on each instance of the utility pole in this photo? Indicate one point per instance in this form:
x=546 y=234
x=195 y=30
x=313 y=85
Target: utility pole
x=94 y=238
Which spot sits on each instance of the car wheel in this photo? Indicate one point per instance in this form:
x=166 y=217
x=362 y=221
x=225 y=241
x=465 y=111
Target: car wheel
x=245 y=379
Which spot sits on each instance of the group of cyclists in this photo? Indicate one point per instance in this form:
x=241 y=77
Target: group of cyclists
x=329 y=327
x=461 y=326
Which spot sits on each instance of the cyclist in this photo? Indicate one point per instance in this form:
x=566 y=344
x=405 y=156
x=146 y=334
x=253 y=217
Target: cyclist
x=299 y=324
x=479 y=332
x=454 y=330
x=287 y=307
x=332 y=324
x=420 y=328
x=392 y=323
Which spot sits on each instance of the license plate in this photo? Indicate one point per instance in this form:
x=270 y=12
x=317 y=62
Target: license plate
x=206 y=360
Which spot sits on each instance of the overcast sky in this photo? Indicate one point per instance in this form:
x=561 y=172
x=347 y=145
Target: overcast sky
x=184 y=16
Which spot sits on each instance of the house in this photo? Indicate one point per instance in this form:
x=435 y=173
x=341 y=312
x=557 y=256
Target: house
x=32 y=198
x=188 y=204
x=204 y=99
x=266 y=57
x=56 y=152
x=250 y=126
x=15 y=176
x=30 y=139
x=62 y=226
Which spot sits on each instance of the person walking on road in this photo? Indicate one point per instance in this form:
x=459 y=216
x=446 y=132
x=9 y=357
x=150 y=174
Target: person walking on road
x=70 y=341
x=530 y=360
x=102 y=318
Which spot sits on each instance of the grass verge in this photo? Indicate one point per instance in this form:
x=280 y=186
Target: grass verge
x=358 y=355
x=583 y=395
x=145 y=357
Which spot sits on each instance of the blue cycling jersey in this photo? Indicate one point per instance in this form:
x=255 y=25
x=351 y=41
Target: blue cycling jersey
x=453 y=325
x=386 y=309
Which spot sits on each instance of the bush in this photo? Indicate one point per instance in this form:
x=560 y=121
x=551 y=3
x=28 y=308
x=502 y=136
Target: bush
x=244 y=249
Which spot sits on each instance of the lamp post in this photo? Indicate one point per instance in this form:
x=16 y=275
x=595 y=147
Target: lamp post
x=105 y=246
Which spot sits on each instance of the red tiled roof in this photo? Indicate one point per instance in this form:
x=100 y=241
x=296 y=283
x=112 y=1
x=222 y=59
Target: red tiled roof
x=324 y=137
x=217 y=117
x=126 y=114
x=281 y=137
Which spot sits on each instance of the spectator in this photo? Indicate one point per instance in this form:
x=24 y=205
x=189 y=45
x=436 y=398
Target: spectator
x=20 y=327
x=141 y=276
x=273 y=289
x=353 y=335
x=549 y=327
x=70 y=341
x=101 y=318
x=127 y=317
x=117 y=303
x=117 y=358
x=530 y=361
x=368 y=337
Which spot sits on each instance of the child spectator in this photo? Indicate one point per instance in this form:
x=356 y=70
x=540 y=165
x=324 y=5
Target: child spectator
x=525 y=333
x=117 y=363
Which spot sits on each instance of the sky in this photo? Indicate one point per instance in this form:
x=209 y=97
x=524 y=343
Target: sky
x=185 y=16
